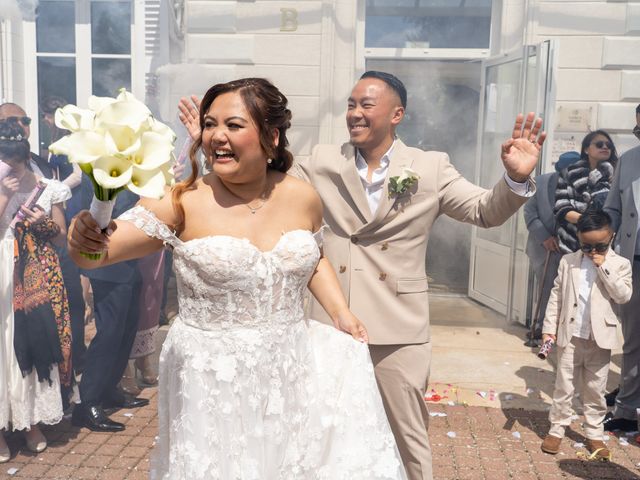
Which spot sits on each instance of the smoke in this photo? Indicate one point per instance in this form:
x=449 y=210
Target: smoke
x=18 y=9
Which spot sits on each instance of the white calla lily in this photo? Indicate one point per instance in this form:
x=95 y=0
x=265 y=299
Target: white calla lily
x=98 y=103
x=155 y=150
x=147 y=183
x=80 y=147
x=112 y=172
x=163 y=129
x=73 y=118
x=167 y=171
x=127 y=113
x=121 y=140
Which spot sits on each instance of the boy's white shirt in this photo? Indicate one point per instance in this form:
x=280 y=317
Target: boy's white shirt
x=583 y=317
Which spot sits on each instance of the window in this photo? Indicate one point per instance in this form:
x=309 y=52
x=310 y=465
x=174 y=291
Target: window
x=82 y=48
x=428 y=23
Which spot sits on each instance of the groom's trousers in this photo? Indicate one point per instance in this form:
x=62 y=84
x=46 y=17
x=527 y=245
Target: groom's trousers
x=402 y=372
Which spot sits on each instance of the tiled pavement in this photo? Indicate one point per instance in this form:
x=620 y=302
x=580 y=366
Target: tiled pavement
x=468 y=443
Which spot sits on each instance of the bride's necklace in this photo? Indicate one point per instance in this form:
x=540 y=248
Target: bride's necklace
x=253 y=210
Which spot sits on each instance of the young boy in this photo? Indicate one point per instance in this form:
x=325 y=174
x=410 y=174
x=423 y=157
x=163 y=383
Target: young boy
x=581 y=318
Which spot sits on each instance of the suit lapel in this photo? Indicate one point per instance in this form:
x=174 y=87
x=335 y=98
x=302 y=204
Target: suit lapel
x=575 y=276
x=635 y=188
x=398 y=161
x=353 y=183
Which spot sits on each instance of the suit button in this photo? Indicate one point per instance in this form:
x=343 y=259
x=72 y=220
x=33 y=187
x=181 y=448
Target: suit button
x=633 y=214
x=342 y=269
x=382 y=276
x=628 y=235
x=575 y=304
x=354 y=239
x=571 y=320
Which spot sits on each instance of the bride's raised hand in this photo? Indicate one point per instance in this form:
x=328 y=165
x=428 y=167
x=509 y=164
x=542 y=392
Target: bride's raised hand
x=349 y=323
x=85 y=235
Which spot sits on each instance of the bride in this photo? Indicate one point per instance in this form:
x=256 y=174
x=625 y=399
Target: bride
x=249 y=388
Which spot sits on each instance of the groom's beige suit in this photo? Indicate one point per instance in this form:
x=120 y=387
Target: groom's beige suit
x=379 y=258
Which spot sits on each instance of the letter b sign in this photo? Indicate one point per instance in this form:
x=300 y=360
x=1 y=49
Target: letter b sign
x=288 y=19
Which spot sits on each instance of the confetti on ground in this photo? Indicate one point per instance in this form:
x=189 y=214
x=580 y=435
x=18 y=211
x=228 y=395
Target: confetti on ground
x=451 y=404
x=127 y=415
x=516 y=434
x=437 y=414
x=623 y=442
x=451 y=434
x=574 y=417
x=492 y=395
x=482 y=394
x=578 y=445
x=432 y=397
x=508 y=396
x=530 y=391
x=12 y=471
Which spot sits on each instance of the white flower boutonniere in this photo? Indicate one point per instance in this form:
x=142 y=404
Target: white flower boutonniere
x=401 y=183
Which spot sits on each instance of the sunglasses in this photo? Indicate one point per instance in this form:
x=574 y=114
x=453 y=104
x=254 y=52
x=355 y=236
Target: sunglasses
x=26 y=121
x=598 y=247
x=602 y=144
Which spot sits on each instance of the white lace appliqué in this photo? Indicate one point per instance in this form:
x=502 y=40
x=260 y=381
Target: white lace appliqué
x=251 y=390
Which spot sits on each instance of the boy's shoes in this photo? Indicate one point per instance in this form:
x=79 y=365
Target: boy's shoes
x=598 y=450
x=611 y=423
x=551 y=444
x=610 y=397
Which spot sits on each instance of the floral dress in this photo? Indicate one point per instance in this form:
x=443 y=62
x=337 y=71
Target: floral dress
x=24 y=401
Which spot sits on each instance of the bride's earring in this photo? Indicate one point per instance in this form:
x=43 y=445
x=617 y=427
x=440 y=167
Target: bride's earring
x=269 y=161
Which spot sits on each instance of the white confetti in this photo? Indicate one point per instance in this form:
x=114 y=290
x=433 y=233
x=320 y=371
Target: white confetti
x=482 y=394
x=508 y=396
x=451 y=434
x=437 y=414
x=574 y=417
x=516 y=434
x=578 y=445
x=451 y=404
x=12 y=471
x=530 y=391
x=623 y=442
x=127 y=415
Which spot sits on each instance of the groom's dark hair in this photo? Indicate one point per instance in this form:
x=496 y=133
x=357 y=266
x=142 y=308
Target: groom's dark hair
x=392 y=81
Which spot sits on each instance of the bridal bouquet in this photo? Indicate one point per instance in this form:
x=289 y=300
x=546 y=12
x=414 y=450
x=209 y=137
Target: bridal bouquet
x=118 y=144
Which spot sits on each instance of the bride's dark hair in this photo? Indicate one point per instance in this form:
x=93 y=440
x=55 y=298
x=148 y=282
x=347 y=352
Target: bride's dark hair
x=268 y=109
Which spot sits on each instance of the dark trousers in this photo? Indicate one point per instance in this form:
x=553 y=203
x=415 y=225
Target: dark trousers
x=116 y=312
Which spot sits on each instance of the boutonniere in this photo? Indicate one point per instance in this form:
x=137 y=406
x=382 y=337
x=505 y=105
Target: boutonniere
x=401 y=183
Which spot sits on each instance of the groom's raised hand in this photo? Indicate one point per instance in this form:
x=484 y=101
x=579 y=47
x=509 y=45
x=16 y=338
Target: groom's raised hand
x=521 y=152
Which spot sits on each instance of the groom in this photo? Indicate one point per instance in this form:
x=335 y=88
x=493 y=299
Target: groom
x=378 y=238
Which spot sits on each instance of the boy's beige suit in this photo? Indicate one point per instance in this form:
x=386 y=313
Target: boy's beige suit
x=585 y=362
x=380 y=261
x=612 y=287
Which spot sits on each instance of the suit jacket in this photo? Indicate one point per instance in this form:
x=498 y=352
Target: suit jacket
x=623 y=202
x=42 y=164
x=380 y=258
x=122 y=272
x=612 y=286
x=539 y=217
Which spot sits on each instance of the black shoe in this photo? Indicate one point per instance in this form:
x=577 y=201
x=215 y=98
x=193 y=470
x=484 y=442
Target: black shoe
x=94 y=418
x=610 y=397
x=611 y=423
x=123 y=400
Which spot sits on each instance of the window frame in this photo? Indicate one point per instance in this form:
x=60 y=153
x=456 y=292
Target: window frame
x=83 y=57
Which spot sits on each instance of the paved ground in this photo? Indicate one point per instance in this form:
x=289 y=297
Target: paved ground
x=489 y=426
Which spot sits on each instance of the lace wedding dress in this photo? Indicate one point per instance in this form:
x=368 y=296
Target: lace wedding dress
x=251 y=390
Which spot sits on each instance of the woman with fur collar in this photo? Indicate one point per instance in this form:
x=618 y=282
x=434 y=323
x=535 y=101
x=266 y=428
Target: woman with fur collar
x=584 y=184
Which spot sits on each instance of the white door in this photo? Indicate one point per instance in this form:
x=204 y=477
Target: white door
x=499 y=271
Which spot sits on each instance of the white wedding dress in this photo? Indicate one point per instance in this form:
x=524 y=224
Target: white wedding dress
x=251 y=390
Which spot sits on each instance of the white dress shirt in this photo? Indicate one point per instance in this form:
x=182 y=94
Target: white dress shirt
x=588 y=274
x=375 y=188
